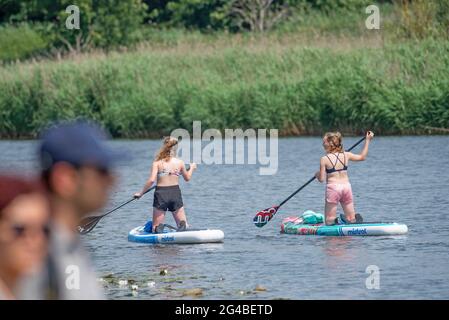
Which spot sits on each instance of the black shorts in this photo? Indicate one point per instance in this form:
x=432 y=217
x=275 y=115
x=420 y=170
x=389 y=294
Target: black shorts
x=168 y=198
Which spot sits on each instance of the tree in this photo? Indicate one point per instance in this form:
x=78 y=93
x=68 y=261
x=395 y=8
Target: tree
x=258 y=15
x=103 y=23
x=200 y=14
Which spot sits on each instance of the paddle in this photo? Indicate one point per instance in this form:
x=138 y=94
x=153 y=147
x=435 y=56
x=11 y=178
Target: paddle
x=262 y=217
x=89 y=223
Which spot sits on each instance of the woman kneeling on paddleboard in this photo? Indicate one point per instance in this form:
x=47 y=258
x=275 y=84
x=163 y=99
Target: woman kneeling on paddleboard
x=333 y=169
x=165 y=172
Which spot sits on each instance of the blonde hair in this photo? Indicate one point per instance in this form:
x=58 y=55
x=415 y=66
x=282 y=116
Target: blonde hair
x=168 y=149
x=334 y=139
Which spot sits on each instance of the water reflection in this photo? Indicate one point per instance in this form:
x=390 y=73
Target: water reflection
x=338 y=252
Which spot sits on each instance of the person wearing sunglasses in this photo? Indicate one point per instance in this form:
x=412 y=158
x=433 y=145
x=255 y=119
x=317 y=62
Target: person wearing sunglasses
x=24 y=214
x=76 y=171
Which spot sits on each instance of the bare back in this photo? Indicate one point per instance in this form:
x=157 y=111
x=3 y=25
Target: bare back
x=337 y=164
x=168 y=172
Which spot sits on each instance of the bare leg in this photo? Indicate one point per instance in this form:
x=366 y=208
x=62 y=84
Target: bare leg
x=349 y=211
x=180 y=215
x=330 y=212
x=158 y=217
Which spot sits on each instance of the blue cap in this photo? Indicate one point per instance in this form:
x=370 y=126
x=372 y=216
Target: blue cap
x=79 y=143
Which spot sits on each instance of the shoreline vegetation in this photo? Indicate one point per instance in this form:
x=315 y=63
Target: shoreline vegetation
x=299 y=82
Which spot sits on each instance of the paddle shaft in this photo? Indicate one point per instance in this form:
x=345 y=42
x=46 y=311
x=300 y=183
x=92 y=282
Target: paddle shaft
x=125 y=203
x=311 y=179
x=92 y=221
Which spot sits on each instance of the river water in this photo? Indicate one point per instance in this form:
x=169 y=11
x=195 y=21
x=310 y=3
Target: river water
x=405 y=179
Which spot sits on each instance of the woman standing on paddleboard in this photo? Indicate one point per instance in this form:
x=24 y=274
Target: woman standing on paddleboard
x=333 y=169
x=165 y=171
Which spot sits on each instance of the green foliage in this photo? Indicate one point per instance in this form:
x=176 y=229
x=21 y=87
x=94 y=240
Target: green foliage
x=308 y=20
x=329 y=6
x=16 y=11
x=190 y=14
x=420 y=19
x=216 y=14
x=112 y=24
x=20 y=42
x=396 y=89
x=105 y=23
x=225 y=80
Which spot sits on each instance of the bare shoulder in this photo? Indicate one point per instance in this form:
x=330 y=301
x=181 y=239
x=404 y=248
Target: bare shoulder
x=155 y=164
x=351 y=156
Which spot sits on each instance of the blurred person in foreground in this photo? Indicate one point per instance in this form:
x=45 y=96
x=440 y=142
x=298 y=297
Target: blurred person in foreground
x=24 y=214
x=76 y=171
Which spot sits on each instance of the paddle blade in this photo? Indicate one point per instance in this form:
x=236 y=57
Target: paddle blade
x=262 y=217
x=88 y=224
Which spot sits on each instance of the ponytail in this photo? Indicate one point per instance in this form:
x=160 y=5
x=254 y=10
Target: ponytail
x=168 y=149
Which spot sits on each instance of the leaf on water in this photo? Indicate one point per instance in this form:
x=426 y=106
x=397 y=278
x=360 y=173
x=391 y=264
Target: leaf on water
x=259 y=288
x=195 y=292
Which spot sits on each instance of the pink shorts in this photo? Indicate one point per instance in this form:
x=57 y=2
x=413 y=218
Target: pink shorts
x=339 y=193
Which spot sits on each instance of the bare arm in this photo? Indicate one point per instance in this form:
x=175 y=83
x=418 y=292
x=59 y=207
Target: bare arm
x=187 y=174
x=149 y=183
x=321 y=174
x=362 y=156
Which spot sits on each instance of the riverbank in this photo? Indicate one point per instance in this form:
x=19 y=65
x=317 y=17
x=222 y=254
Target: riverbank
x=301 y=86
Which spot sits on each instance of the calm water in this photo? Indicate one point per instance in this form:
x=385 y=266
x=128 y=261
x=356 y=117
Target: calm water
x=405 y=180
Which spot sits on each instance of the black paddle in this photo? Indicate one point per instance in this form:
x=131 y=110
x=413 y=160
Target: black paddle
x=262 y=217
x=89 y=223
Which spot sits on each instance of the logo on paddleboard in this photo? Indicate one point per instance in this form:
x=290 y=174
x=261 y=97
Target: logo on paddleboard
x=357 y=232
x=168 y=239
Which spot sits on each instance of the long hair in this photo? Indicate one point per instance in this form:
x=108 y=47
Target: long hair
x=168 y=149
x=334 y=139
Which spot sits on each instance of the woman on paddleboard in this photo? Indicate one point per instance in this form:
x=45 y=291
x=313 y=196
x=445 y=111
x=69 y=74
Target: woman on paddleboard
x=165 y=171
x=333 y=169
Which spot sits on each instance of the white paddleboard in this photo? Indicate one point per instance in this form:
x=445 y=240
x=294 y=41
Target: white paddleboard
x=176 y=237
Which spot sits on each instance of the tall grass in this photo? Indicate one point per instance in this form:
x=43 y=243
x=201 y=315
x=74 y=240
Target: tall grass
x=232 y=82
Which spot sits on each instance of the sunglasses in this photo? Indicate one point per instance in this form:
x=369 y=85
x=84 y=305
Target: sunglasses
x=20 y=230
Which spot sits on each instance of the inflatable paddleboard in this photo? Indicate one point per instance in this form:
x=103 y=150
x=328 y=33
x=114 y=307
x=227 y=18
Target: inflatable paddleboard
x=191 y=236
x=362 y=229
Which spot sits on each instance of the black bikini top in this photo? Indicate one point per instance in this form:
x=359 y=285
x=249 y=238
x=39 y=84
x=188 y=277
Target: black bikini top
x=333 y=169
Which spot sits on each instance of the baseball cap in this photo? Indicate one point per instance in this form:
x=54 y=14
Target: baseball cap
x=79 y=143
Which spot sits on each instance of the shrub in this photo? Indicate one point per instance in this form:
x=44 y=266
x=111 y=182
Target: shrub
x=20 y=42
